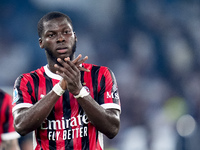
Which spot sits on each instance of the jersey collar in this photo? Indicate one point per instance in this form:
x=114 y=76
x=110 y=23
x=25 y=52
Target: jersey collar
x=51 y=74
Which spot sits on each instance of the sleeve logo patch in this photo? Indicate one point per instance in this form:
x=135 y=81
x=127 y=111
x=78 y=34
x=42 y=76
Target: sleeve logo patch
x=114 y=95
x=15 y=96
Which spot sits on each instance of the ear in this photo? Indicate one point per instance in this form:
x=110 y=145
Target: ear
x=75 y=37
x=41 y=43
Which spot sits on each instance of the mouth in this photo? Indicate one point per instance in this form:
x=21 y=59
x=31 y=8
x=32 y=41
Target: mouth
x=62 y=50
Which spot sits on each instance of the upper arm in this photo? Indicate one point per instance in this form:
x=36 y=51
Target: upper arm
x=114 y=113
x=18 y=112
x=18 y=118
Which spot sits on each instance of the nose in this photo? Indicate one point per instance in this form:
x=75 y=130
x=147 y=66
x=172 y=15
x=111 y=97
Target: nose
x=60 y=38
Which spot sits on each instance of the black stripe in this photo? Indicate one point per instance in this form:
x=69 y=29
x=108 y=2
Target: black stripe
x=36 y=88
x=30 y=91
x=94 y=76
x=82 y=77
x=6 y=123
x=84 y=139
x=97 y=134
x=2 y=100
x=2 y=95
x=102 y=91
x=36 y=84
x=49 y=86
x=67 y=115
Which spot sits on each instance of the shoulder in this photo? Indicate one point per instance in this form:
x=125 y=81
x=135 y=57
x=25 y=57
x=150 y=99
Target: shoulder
x=29 y=75
x=2 y=93
x=93 y=67
x=37 y=71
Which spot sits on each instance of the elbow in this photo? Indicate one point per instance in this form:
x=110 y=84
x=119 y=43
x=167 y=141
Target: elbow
x=20 y=129
x=113 y=127
x=21 y=125
x=113 y=132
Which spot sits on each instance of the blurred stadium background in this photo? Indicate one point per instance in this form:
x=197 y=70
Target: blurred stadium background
x=152 y=46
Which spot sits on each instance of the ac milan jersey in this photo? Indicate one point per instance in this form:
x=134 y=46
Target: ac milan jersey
x=67 y=126
x=7 y=131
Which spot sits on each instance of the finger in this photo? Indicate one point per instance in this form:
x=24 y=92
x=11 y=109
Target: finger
x=82 y=61
x=77 y=59
x=83 y=69
x=77 y=62
x=66 y=59
x=72 y=65
x=65 y=77
x=80 y=66
x=67 y=66
x=66 y=73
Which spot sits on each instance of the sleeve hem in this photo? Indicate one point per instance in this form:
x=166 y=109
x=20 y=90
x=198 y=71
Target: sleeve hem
x=10 y=136
x=111 y=105
x=21 y=105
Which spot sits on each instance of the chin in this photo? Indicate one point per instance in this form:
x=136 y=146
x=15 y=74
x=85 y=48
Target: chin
x=63 y=56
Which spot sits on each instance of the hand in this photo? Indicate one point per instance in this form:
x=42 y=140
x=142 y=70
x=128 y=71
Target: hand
x=70 y=72
x=77 y=62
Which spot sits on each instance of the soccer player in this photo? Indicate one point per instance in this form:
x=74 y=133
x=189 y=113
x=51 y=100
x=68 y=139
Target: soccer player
x=8 y=135
x=68 y=103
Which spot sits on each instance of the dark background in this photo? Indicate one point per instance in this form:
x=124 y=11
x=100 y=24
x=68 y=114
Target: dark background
x=152 y=46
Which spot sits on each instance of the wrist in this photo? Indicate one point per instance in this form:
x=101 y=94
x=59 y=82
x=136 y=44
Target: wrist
x=63 y=84
x=83 y=92
x=58 y=89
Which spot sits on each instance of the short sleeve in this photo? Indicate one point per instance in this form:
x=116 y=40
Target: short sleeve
x=108 y=94
x=22 y=93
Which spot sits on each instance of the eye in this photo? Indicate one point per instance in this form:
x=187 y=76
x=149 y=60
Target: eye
x=51 y=35
x=67 y=31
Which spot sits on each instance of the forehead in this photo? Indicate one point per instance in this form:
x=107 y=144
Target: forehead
x=56 y=24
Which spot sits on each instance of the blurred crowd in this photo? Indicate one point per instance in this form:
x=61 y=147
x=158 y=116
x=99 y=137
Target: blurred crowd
x=152 y=46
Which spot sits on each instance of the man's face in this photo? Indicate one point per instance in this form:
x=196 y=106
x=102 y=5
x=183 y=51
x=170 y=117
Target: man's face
x=58 y=38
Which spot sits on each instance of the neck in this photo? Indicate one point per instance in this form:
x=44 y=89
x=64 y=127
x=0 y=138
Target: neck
x=51 y=66
x=53 y=61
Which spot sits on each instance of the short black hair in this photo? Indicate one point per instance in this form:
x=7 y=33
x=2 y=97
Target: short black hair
x=50 y=16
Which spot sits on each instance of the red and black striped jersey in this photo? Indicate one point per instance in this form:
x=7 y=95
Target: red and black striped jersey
x=67 y=126
x=7 y=131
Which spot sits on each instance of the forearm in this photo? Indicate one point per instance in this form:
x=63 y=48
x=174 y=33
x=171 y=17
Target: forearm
x=10 y=145
x=106 y=121
x=27 y=120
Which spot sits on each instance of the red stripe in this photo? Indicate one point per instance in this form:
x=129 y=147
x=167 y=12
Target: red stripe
x=60 y=143
x=98 y=145
x=42 y=85
x=3 y=109
x=75 y=107
x=24 y=89
x=91 y=128
x=8 y=98
x=42 y=91
x=87 y=78
x=92 y=136
x=6 y=103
